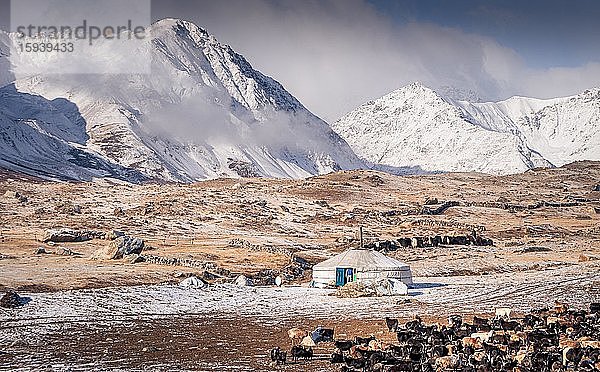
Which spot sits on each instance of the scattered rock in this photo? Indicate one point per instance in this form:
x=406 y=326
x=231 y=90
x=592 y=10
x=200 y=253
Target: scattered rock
x=431 y=201
x=70 y=235
x=240 y=243
x=586 y=258
x=243 y=169
x=345 y=239
x=14 y=195
x=443 y=207
x=297 y=268
x=192 y=282
x=68 y=208
x=242 y=281
x=11 y=300
x=118 y=212
x=301 y=262
x=322 y=203
x=62 y=251
x=261 y=203
x=264 y=277
x=375 y=180
x=40 y=250
x=135 y=258
x=207 y=275
x=112 y=235
x=120 y=247
x=533 y=250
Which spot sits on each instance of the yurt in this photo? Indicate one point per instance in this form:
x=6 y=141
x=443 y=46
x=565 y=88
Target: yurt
x=355 y=265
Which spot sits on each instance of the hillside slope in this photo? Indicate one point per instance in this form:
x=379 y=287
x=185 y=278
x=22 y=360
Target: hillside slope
x=416 y=126
x=202 y=113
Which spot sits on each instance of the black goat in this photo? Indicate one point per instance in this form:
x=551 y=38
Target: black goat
x=455 y=321
x=355 y=364
x=278 y=356
x=405 y=336
x=344 y=345
x=392 y=324
x=299 y=352
x=337 y=357
x=364 y=341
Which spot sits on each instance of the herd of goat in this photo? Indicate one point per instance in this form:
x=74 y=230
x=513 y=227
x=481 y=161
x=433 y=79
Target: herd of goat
x=549 y=339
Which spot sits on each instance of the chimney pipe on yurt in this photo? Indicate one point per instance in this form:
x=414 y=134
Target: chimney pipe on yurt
x=360 y=233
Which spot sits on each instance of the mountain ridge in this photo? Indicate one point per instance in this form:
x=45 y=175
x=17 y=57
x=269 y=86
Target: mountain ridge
x=203 y=113
x=416 y=125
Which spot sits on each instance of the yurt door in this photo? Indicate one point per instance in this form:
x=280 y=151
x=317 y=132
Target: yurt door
x=340 y=276
x=343 y=275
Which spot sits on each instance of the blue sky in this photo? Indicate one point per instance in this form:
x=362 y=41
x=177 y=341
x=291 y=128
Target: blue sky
x=546 y=33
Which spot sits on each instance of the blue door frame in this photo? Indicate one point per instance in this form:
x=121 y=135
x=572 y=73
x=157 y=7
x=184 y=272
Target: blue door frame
x=343 y=275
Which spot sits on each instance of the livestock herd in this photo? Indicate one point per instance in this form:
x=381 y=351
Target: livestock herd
x=549 y=339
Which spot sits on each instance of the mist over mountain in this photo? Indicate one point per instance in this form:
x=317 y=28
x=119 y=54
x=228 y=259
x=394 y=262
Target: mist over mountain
x=203 y=112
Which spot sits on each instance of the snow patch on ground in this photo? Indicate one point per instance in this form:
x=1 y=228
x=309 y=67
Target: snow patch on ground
x=432 y=295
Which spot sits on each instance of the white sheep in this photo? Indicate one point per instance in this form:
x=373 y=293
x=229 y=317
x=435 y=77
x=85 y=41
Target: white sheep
x=503 y=312
x=296 y=334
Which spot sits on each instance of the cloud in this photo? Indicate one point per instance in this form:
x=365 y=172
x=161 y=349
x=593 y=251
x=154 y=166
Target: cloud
x=560 y=81
x=334 y=55
x=211 y=117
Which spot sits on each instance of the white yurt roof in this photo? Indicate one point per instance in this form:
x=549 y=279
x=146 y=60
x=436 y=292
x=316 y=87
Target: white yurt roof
x=362 y=259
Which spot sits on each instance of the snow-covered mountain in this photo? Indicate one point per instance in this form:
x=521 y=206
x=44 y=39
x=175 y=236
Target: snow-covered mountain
x=203 y=112
x=417 y=127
